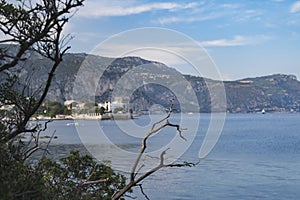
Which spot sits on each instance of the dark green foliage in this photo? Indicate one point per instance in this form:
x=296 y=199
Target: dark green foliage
x=74 y=177
x=51 y=109
x=18 y=179
x=35 y=29
x=101 y=110
x=79 y=177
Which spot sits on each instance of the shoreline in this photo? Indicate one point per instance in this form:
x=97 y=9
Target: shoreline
x=135 y=116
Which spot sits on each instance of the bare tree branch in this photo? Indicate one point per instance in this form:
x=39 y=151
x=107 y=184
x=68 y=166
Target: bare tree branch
x=46 y=149
x=142 y=191
x=95 y=182
x=134 y=180
x=33 y=27
x=36 y=138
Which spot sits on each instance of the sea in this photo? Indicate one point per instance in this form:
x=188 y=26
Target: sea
x=254 y=156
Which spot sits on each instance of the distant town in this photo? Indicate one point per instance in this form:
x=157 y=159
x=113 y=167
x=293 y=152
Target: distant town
x=72 y=109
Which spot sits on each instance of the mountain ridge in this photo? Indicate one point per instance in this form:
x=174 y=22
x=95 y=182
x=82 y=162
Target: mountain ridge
x=146 y=83
x=274 y=93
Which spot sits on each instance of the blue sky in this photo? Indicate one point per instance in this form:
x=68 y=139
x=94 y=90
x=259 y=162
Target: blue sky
x=244 y=38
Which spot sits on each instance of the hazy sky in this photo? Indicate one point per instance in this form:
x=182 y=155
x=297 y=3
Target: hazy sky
x=245 y=38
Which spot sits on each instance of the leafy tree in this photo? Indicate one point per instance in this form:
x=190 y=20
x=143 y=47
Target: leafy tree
x=79 y=177
x=102 y=110
x=31 y=29
x=34 y=29
x=75 y=177
x=18 y=179
x=51 y=109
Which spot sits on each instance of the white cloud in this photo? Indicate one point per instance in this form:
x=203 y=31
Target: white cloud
x=295 y=7
x=230 y=6
x=124 y=8
x=168 y=20
x=247 y=15
x=210 y=11
x=236 y=41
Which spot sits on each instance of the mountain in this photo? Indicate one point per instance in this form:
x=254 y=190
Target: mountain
x=143 y=83
x=274 y=93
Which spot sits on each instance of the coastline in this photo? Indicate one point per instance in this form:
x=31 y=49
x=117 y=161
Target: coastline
x=110 y=116
x=128 y=116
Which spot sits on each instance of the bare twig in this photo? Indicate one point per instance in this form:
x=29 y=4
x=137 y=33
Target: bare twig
x=36 y=137
x=142 y=191
x=46 y=151
x=134 y=179
x=95 y=182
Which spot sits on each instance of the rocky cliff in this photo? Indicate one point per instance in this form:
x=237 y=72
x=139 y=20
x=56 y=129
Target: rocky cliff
x=144 y=83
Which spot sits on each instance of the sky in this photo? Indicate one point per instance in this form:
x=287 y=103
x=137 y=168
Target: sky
x=245 y=38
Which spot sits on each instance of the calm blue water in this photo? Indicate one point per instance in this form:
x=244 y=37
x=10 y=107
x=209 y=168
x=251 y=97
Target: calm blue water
x=256 y=157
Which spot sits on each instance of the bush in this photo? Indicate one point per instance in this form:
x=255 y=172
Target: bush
x=18 y=179
x=73 y=177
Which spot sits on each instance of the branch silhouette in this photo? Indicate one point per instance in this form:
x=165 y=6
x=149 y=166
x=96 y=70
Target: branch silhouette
x=134 y=178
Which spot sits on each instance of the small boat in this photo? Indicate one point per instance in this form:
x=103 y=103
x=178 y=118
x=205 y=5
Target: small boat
x=263 y=111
